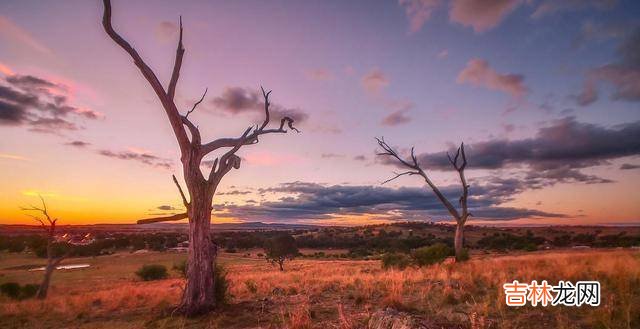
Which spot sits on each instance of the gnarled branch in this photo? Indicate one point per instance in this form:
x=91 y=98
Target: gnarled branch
x=50 y=229
x=193 y=108
x=416 y=169
x=184 y=199
x=398 y=175
x=171 y=91
x=166 y=100
x=250 y=137
x=163 y=219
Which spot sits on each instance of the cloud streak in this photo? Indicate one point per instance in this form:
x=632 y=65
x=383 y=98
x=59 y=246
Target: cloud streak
x=374 y=81
x=305 y=201
x=479 y=73
x=145 y=158
x=17 y=35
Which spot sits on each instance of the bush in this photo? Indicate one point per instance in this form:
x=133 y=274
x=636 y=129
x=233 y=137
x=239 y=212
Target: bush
x=181 y=268
x=395 y=260
x=152 y=272
x=29 y=291
x=464 y=255
x=10 y=289
x=252 y=286
x=14 y=291
x=432 y=254
x=221 y=285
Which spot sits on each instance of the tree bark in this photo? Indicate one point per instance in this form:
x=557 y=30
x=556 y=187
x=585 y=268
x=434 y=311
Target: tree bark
x=199 y=293
x=44 y=286
x=459 y=240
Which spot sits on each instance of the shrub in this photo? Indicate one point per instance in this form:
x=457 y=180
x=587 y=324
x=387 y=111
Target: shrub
x=181 y=268
x=14 y=291
x=395 y=260
x=433 y=254
x=10 y=289
x=252 y=286
x=464 y=255
x=29 y=290
x=152 y=272
x=221 y=285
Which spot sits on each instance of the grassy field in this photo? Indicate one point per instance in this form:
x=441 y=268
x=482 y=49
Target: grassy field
x=327 y=294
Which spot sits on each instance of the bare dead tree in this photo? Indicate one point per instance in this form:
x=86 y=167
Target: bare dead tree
x=198 y=296
x=49 y=226
x=459 y=163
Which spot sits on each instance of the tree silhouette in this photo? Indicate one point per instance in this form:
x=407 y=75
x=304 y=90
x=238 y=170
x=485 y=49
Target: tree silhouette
x=48 y=224
x=280 y=249
x=459 y=163
x=198 y=296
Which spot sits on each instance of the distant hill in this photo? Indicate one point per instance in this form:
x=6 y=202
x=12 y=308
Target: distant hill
x=156 y=227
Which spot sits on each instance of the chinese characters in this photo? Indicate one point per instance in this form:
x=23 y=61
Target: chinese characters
x=565 y=293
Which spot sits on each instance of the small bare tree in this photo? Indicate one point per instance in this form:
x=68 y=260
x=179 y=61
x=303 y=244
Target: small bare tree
x=459 y=163
x=49 y=226
x=198 y=296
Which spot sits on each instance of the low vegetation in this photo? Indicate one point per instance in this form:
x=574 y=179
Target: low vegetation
x=432 y=254
x=358 y=242
x=280 y=249
x=152 y=272
x=331 y=293
x=14 y=290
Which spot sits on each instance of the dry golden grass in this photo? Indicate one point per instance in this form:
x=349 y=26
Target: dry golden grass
x=343 y=294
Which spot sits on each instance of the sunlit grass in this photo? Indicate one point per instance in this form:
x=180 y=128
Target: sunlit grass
x=318 y=293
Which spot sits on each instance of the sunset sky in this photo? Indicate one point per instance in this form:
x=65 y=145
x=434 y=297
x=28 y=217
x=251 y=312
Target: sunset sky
x=544 y=94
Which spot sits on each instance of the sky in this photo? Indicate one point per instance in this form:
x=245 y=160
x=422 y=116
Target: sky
x=544 y=94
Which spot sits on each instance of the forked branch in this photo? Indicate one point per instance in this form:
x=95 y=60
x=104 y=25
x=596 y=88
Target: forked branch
x=415 y=169
x=250 y=136
x=50 y=224
x=166 y=98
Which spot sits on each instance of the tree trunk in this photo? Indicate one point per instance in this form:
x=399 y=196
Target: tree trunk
x=281 y=263
x=459 y=239
x=199 y=293
x=44 y=286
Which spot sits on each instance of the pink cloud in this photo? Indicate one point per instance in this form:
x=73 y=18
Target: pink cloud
x=6 y=70
x=374 y=81
x=320 y=75
x=479 y=73
x=623 y=74
x=418 y=12
x=14 y=33
x=396 y=118
x=481 y=15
